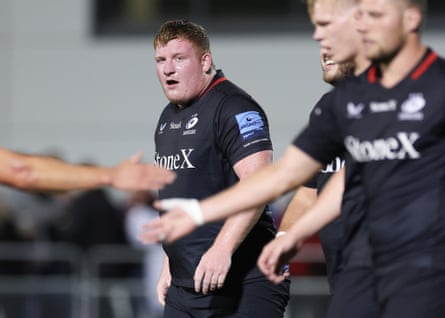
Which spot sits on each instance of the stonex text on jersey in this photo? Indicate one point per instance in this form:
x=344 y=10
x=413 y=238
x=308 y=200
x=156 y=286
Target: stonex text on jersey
x=175 y=161
x=398 y=147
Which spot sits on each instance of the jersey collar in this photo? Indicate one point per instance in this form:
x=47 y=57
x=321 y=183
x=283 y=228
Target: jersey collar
x=219 y=78
x=425 y=62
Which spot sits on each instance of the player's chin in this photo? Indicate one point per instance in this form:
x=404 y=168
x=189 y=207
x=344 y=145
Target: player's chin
x=177 y=98
x=329 y=76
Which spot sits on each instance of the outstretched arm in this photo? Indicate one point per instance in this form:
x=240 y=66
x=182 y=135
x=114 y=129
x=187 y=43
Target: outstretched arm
x=327 y=208
x=293 y=169
x=290 y=171
x=30 y=172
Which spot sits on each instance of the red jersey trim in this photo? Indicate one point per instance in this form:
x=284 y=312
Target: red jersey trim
x=372 y=74
x=219 y=80
x=424 y=65
x=422 y=68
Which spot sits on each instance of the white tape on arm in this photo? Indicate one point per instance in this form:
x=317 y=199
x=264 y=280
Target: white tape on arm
x=280 y=233
x=190 y=206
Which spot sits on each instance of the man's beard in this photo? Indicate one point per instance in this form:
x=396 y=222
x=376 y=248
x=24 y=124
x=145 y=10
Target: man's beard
x=345 y=69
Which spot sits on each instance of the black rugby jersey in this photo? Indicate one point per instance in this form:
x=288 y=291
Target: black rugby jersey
x=201 y=143
x=397 y=137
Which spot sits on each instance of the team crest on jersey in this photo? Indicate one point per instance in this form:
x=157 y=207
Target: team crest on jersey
x=355 y=111
x=411 y=109
x=189 y=126
x=250 y=124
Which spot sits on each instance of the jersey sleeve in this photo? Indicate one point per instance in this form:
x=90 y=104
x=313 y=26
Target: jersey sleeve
x=322 y=138
x=241 y=128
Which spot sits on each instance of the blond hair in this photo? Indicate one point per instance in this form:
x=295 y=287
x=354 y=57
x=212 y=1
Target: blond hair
x=311 y=4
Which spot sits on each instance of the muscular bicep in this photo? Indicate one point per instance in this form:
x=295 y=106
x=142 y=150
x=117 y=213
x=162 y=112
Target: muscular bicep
x=252 y=163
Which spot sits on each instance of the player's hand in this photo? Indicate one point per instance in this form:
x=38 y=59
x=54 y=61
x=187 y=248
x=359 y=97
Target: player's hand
x=171 y=226
x=133 y=175
x=212 y=270
x=275 y=256
x=162 y=286
x=285 y=270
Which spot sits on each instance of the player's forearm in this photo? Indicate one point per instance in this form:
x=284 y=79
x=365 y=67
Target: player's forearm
x=44 y=173
x=325 y=210
x=303 y=199
x=236 y=228
x=292 y=170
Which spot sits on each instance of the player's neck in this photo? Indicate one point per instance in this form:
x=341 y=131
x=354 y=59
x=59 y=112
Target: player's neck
x=208 y=78
x=205 y=83
x=401 y=64
x=361 y=64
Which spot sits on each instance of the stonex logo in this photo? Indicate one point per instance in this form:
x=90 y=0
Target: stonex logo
x=176 y=161
x=399 y=147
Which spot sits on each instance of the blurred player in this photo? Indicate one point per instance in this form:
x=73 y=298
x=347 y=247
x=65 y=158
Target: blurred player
x=344 y=241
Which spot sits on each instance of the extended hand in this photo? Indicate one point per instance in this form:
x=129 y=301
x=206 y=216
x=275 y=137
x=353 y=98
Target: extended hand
x=275 y=256
x=171 y=226
x=133 y=175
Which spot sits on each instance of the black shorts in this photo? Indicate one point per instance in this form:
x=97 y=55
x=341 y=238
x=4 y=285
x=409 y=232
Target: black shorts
x=354 y=295
x=257 y=298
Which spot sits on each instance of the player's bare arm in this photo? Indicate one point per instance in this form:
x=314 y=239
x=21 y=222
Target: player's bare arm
x=290 y=171
x=33 y=172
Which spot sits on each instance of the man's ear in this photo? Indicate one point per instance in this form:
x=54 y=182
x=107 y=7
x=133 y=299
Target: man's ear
x=206 y=62
x=413 y=19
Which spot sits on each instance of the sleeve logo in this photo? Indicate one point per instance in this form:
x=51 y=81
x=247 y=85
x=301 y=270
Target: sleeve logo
x=250 y=124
